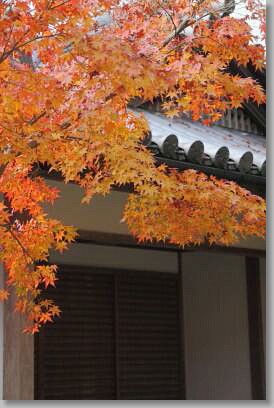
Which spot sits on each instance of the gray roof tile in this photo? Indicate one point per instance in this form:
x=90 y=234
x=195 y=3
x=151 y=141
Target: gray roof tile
x=186 y=140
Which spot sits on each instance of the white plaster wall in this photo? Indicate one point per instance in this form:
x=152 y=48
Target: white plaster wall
x=113 y=257
x=216 y=327
x=103 y=214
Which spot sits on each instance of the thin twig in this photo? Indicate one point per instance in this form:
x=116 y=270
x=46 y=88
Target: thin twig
x=39 y=37
x=17 y=45
x=188 y=21
x=171 y=19
x=24 y=250
x=8 y=40
x=35 y=118
x=6 y=54
x=59 y=5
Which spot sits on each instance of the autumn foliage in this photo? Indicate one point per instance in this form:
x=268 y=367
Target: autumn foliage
x=68 y=70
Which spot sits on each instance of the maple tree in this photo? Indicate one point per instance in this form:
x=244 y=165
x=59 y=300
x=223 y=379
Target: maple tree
x=68 y=70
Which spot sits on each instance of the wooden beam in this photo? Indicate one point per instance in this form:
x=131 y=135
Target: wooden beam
x=128 y=241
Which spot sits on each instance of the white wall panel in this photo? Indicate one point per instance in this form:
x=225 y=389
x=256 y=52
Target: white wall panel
x=114 y=257
x=216 y=327
x=103 y=214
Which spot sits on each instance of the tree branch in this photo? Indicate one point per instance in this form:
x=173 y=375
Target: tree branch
x=59 y=5
x=188 y=21
x=24 y=250
x=17 y=45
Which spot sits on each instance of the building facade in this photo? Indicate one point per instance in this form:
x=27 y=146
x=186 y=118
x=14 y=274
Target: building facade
x=150 y=321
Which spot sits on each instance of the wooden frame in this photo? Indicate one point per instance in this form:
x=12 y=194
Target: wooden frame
x=255 y=327
x=127 y=241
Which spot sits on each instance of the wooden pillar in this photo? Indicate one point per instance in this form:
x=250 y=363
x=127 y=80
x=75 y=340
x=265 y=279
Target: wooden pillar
x=257 y=358
x=18 y=370
x=181 y=326
x=18 y=381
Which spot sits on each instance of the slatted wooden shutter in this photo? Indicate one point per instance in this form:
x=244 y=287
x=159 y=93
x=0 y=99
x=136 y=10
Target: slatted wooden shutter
x=75 y=355
x=118 y=338
x=148 y=336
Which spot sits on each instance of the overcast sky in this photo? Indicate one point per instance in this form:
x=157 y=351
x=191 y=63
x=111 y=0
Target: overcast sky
x=240 y=11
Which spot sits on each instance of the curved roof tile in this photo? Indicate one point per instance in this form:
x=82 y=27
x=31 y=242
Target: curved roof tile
x=186 y=140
